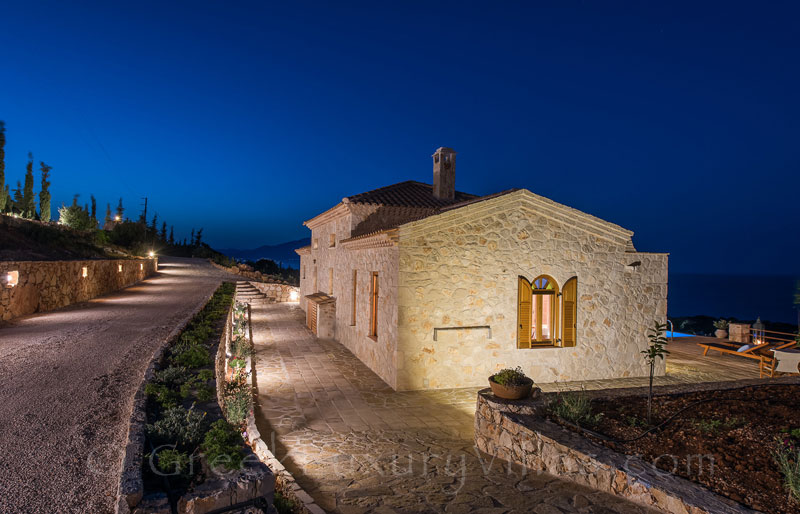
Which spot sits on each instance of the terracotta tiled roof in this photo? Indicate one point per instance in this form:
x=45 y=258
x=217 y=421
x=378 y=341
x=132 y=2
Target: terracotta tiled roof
x=407 y=194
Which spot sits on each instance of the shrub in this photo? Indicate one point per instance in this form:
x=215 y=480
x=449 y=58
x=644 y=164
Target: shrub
x=510 y=377
x=76 y=217
x=223 y=446
x=283 y=504
x=194 y=356
x=173 y=462
x=236 y=396
x=205 y=375
x=179 y=426
x=205 y=393
x=162 y=394
x=787 y=457
x=575 y=407
x=721 y=324
x=171 y=375
x=240 y=347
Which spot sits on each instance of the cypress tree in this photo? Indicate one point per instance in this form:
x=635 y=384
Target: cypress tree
x=171 y=235
x=17 y=203
x=199 y=236
x=94 y=210
x=120 y=209
x=3 y=189
x=28 y=200
x=154 y=225
x=44 y=194
x=163 y=234
x=108 y=214
x=191 y=238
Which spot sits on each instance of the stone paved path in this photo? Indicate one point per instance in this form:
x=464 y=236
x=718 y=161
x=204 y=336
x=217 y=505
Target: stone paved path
x=357 y=446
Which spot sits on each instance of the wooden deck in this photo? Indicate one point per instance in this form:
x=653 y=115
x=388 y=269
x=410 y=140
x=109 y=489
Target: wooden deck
x=686 y=361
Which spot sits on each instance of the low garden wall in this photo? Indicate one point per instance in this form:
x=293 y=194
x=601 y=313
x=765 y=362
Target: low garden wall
x=248 y=273
x=40 y=286
x=517 y=431
x=278 y=292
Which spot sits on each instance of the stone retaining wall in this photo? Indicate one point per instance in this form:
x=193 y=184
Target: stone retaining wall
x=515 y=432
x=248 y=273
x=48 y=285
x=278 y=292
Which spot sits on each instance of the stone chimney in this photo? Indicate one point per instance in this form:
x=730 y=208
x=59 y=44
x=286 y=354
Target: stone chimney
x=444 y=173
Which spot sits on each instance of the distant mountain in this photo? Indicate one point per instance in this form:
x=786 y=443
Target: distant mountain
x=282 y=253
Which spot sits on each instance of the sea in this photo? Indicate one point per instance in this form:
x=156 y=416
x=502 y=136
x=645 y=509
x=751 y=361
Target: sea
x=746 y=297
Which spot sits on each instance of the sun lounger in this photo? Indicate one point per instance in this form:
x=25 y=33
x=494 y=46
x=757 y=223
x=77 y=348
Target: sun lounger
x=754 y=352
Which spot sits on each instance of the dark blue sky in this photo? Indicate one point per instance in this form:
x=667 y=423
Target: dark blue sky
x=680 y=121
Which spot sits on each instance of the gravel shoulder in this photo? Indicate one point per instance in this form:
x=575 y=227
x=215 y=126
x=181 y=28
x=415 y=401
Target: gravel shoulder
x=68 y=379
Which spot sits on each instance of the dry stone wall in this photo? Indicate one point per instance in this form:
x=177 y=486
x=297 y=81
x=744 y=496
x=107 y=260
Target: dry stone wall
x=460 y=268
x=516 y=431
x=277 y=292
x=48 y=285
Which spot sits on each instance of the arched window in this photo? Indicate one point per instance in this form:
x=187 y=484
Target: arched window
x=537 y=312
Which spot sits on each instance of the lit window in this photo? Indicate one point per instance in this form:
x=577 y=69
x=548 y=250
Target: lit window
x=542 y=319
x=373 y=307
x=12 y=278
x=85 y=272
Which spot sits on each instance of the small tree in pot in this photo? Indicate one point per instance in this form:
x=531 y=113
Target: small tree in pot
x=722 y=328
x=511 y=384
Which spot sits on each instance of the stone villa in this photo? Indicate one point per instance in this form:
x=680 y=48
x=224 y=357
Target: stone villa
x=435 y=288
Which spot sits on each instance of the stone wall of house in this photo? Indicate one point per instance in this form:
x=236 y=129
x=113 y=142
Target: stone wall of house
x=378 y=353
x=461 y=267
x=278 y=292
x=513 y=431
x=48 y=285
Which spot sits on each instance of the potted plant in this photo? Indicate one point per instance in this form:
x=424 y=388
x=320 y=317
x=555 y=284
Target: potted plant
x=722 y=328
x=511 y=384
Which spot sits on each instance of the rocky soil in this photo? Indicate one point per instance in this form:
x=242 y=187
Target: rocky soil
x=735 y=433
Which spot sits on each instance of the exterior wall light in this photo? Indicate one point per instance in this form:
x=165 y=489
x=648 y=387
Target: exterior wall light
x=152 y=254
x=84 y=272
x=117 y=218
x=119 y=268
x=293 y=296
x=12 y=278
x=141 y=266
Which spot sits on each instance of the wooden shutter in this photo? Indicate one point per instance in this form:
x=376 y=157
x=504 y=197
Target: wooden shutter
x=570 y=300
x=373 y=326
x=524 y=298
x=311 y=316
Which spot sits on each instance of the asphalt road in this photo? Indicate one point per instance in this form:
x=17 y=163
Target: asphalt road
x=67 y=381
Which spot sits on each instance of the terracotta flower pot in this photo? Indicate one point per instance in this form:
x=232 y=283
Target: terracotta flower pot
x=511 y=392
x=721 y=334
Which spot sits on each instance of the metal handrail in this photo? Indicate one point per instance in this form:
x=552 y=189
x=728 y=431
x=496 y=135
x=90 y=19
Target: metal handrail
x=436 y=330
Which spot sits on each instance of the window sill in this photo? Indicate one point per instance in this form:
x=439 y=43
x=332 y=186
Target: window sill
x=374 y=338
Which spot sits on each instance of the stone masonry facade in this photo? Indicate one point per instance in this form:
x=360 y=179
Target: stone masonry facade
x=48 y=285
x=460 y=268
x=457 y=263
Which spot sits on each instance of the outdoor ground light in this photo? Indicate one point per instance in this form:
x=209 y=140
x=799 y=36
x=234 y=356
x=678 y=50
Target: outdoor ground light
x=152 y=254
x=141 y=266
x=119 y=268
x=293 y=296
x=85 y=272
x=12 y=278
x=116 y=218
